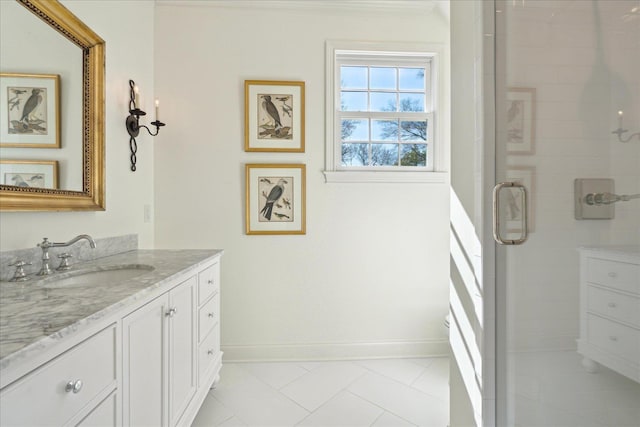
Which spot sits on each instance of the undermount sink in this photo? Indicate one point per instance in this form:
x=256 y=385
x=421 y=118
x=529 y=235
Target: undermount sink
x=103 y=276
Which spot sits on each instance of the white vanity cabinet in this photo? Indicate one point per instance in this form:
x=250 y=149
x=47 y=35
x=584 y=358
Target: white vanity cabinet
x=71 y=389
x=159 y=366
x=610 y=309
x=149 y=362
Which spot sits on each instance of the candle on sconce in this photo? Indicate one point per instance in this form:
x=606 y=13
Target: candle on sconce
x=157 y=110
x=620 y=113
x=136 y=98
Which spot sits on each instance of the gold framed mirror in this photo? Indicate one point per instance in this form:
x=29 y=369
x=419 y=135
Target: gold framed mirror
x=90 y=194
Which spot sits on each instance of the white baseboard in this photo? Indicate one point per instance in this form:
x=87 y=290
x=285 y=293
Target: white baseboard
x=334 y=351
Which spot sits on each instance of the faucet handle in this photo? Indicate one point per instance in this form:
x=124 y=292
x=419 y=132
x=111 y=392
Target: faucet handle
x=64 y=263
x=20 y=275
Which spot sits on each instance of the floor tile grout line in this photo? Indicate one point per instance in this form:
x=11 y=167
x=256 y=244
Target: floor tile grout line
x=398 y=382
x=233 y=414
x=274 y=389
x=401 y=383
x=381 y=407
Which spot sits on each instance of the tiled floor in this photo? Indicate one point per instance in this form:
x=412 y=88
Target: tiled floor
x=389 y=392
x=553 y=389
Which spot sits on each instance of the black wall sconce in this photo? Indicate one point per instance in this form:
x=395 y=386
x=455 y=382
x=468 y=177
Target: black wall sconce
x=133 y=121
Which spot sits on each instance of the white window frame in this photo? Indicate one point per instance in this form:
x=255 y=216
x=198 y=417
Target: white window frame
x=372 y=53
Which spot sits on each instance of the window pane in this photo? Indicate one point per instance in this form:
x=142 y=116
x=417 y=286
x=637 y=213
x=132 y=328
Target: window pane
x=353 y=77
x=353 y=101
x=411 y=78
x=384 y=130
x=413 y=131
x=383 y=78
x=355 y=130
x=355 y=154
x=382 y=101
x=384 y=154
x=411 y=102
x=413 y=155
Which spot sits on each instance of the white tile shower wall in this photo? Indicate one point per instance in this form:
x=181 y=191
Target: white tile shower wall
x=584 y=60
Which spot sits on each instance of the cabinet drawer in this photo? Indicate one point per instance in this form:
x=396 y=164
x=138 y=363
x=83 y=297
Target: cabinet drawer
x=104 y=414
x=208 y=282
x=208 y=352
x=618 y=275
x=617 y=306
x=209 y=315
x=40 y=398
x=614 y=338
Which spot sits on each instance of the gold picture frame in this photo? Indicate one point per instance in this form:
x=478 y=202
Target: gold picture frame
x=521 y=120
x=274 y=116
x=275 y=198
x=29 y=173
x=29 y=110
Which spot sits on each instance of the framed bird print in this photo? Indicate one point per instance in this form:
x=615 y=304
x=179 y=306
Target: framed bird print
x=521 y=120
x=274 y=116
x=29 y=173
x=29 y=110
x=275 y=198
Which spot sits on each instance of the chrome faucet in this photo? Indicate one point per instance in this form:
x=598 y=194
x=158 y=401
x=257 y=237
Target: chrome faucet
x=46 y=244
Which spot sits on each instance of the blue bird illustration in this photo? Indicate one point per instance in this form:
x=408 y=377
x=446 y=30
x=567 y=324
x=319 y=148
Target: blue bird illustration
x=274 y=195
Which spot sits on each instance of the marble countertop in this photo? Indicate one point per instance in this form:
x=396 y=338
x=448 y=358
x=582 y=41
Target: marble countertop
x=33 y=316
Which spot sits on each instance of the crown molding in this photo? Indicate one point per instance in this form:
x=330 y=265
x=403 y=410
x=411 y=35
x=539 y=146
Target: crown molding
x=414 y=6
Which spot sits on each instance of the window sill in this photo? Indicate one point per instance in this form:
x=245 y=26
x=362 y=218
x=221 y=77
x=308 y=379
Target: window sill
x=386 y=177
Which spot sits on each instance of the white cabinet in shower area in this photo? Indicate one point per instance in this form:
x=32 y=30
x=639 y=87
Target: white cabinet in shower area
x=610 y=309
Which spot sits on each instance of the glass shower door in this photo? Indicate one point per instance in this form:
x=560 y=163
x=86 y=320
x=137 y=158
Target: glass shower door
x=567 y=79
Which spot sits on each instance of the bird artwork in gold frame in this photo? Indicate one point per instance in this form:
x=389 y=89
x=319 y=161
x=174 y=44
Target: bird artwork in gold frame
x=274 y=116
x=29 y=110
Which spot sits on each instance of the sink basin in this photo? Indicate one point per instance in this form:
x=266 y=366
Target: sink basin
x=104 y=276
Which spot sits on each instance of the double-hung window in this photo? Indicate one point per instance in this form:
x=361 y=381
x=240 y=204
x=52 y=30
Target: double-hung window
x=382 y=113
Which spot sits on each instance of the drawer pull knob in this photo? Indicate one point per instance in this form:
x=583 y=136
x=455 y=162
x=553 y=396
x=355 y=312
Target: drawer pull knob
x=613 y=338
x=73 y=386
x=210 y=314
x=612 y=305
x=210 y=281
x=613 y=274
x=172 y=312
x=210 y=352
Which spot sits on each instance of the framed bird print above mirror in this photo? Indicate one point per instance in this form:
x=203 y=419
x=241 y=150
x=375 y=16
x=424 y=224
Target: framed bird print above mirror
x=275 y=198
x=274 y=116
x=29 y=110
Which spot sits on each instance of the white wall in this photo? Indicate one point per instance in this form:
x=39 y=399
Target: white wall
x=127 y=28
x=370 y=276
x=583 y=60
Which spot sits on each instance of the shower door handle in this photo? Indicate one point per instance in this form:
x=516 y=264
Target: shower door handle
x=522 y=208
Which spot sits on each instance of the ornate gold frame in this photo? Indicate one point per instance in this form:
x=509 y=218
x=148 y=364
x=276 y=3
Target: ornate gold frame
x=92 y=196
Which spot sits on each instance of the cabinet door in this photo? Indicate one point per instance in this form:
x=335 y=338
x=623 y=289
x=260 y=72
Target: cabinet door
x=145 y=338
x=182 y=348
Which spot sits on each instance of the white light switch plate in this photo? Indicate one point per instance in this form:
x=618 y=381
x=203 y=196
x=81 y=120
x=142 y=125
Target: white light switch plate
x=584 y=186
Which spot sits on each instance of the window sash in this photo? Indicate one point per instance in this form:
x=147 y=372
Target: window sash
x=428 y=117
x=396 y=55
